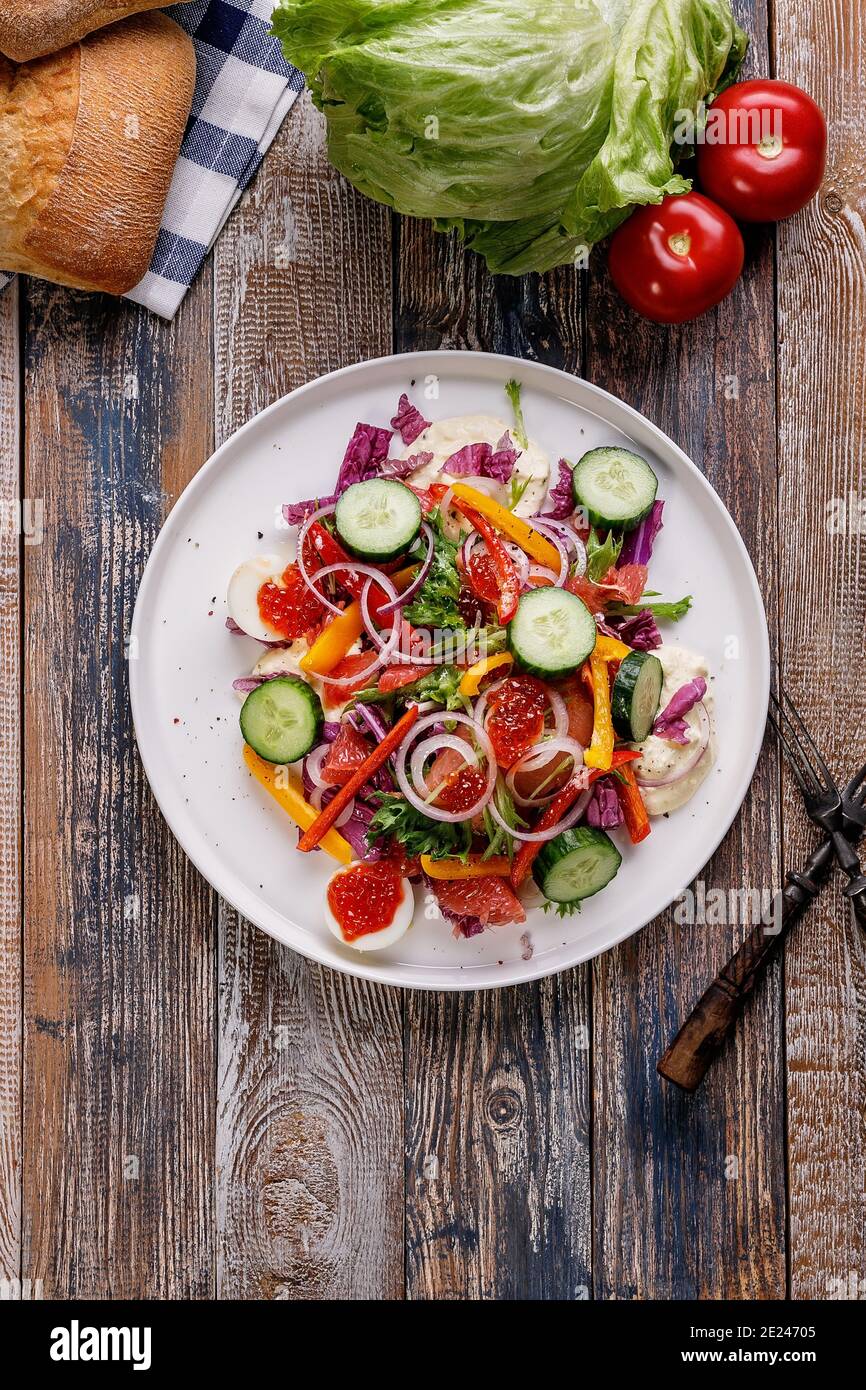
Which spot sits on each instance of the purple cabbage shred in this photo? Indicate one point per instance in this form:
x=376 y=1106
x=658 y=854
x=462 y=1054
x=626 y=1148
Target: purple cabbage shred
x=637 y=548
x=604 y=812
x=639 y=631
x=409 y=420
x=671 y=723
x=561 y=495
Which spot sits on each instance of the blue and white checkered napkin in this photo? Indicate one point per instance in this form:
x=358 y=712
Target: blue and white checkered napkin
x=243 y=91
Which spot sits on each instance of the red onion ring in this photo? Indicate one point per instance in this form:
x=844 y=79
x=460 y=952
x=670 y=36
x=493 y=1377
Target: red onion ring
x=701 y=745
x=302 y=536
x=408 y=790
x=408 y=594
x=383 y=656
x=551 y=534
x=435 y=744
x=541 y=572
x=538 y=837
x=316 y=802
x=536 y=760
x=570 y=537
x=313 y=765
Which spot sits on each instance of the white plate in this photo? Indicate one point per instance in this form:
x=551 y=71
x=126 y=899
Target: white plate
x=184 y=662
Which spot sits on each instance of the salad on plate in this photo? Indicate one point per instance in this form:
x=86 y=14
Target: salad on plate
x=463 y=681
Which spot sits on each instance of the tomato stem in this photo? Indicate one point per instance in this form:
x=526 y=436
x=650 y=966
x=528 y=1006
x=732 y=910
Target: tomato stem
x=680 y=243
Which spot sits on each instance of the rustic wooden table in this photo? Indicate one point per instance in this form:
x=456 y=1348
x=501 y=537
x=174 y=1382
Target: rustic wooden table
x=187 y=1110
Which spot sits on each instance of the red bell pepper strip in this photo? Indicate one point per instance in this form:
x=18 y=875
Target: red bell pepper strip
x=330 y=552
x=506 y=570
x=554 y=812
x=380 y=755
x=633 y=810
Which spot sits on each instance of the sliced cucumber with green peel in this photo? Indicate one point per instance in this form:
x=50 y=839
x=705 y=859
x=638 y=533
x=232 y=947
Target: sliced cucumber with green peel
x=615 y=487
x=635 y=695
x=282 y=719
x=576 y=864
x=552 y=632
x=379 y=519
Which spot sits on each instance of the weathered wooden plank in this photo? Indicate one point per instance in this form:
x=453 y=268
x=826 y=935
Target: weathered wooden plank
x=119 y=944
x=497 y=1084
x=822 y=441
x=11 y=1058
x=689 y=1192
x=310 y=1124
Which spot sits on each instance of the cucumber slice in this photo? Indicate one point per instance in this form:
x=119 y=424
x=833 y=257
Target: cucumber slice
x=576 y=864
x=615 y=487
x=635 y=695
x=552 y=632
x=282 y=719
x=379 y=519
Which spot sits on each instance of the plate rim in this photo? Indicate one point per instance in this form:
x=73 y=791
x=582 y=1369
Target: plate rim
x=384 y=973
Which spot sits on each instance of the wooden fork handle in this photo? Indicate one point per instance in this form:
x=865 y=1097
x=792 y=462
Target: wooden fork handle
x=701 y=1037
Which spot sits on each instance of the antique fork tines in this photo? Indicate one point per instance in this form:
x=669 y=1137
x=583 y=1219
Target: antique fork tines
x=813 y=777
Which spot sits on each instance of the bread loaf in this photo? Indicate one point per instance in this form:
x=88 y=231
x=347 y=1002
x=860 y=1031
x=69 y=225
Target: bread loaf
x=31 y=28
x=89 y=138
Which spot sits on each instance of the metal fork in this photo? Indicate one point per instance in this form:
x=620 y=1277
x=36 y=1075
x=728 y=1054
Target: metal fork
x=841 y=815
x=702 y=1035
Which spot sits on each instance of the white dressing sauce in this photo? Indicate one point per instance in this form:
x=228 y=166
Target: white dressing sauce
x=445 y=437
x=659 y=757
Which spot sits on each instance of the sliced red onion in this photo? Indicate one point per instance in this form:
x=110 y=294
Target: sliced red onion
x=519 y=557
x=700 y=747
x=538 y=837
x=313 y=765
x=408 y=790
x=551 y=533
x=568 y=535
x=542 y=572
x=536 y=760
x=316 y=802
x=435 y=744
x=302 y=536
x=381 y=658
x=374 y=721
x=408 y=594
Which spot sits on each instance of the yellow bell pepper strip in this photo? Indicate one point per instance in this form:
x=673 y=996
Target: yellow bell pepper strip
x=514 y=527
x=599 y=754
x=343 y=631
x=301 y=812
x=497 y=866
x=473 y=677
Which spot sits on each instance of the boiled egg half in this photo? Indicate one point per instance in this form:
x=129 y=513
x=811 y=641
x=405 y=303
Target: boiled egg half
x=375 y=893
x=243 y=593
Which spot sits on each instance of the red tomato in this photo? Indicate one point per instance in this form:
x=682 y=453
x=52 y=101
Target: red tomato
x=292 y=610
x=674 y=261
x=481 y=574
x=765 y=150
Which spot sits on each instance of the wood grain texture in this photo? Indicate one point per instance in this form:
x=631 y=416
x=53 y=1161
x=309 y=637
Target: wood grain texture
x=497 y=1085
x=822 y=442
x=11 y=1056
x=119 y=945
x=310 y=1122
x=688 y=1199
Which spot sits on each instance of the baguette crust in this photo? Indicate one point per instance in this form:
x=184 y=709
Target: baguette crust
x=88 y=143
x=31 y=28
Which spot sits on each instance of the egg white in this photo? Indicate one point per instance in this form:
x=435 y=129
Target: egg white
x=374 y=941
x=242 y=597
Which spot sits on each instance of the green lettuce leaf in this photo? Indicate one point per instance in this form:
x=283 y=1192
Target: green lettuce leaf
x=532 y=129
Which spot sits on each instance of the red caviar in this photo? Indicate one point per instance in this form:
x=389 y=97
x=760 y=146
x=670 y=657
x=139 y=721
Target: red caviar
x=516 y=717
x=365 y=898
x=292 y=610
